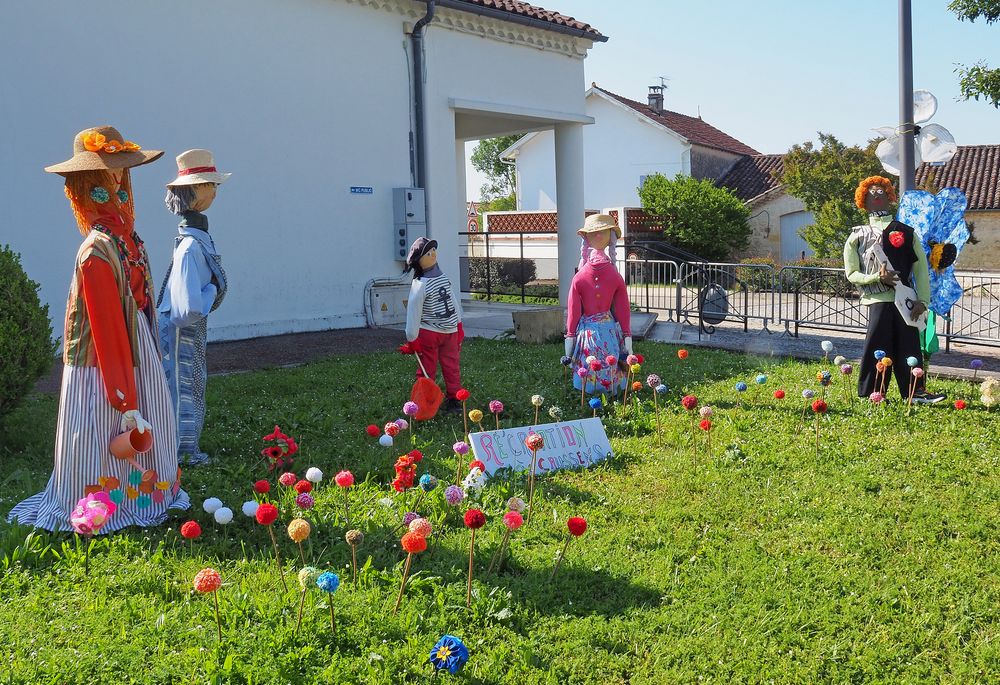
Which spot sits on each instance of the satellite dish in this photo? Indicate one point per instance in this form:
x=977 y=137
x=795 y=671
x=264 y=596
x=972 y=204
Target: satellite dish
x=932 y=143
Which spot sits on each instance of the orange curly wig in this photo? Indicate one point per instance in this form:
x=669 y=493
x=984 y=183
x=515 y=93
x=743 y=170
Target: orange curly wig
x=862 y=190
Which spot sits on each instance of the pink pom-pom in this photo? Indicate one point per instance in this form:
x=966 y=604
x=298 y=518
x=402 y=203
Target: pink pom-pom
x=344 y=479
x=461 y=447
x=496 y=406
x=513 y=520
x=917 y=372
x=287 y=479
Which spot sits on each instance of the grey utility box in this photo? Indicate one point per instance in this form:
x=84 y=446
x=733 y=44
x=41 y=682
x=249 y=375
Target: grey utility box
x=409 y=219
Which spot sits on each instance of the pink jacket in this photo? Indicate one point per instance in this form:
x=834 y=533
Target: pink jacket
x=598 y=288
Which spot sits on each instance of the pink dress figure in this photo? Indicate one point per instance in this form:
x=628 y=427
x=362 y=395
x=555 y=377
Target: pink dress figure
x=598 y=319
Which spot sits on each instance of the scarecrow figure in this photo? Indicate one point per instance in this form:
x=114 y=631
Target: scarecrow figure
x=434 y=324
x=112 y=377
x=885 y=260
x=598 y=318
x=194 y=286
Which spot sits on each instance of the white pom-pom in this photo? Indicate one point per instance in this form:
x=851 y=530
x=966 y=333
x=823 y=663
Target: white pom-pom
x=250 y=508
x=385 y=441
x=224 y=515
x=537 y=400
x=314 y=475
x=827 y=346
x=211 y=505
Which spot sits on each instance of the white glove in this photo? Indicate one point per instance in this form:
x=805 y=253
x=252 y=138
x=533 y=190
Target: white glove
x=569 y=345
x=628 y=345
x=133 y=419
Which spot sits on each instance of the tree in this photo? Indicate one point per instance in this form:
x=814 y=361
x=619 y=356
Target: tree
x=499 y=176
x=978 y=80
x=698 y=215
x=825 y=179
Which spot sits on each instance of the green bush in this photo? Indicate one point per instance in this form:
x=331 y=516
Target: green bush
x=26 y=347
x=505 y=274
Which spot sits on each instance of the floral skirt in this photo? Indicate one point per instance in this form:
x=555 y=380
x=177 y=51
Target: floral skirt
x=598 y=335
x=83 y=462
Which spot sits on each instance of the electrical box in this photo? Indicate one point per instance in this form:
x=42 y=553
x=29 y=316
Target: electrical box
x=388 y=303
x=409 y=219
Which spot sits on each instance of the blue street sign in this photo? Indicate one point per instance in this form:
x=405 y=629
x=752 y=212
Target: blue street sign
x=362 y=190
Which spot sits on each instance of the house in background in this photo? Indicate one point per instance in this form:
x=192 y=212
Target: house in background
x=777 y=217
x=628 y=141
x=312 y=107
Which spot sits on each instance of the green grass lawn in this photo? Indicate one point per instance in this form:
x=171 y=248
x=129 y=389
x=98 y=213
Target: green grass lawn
x=873 y=561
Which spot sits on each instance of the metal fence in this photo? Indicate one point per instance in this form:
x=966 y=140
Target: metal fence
x=761 y=297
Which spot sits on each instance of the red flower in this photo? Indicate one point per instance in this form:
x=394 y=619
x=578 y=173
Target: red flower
x=391 y=429
x=705 y=425
x=273 y=452
x=266 y=514
x=476 y=464
x=462 y=395
x=276 y=435
x=262 y=487
x=642 y=360
x=534 y=442
x=344 y=479
x=779 y=394
x=896 y=238
x=190 y=530
x=819 y=406
x=413 y=543
x=636 y=386
x=960 y=404
x=689 y=402
x=303 y=486
x=577 y=525
x=415 y=455
x=475 y=519
x=682 y=354
x=373 y=430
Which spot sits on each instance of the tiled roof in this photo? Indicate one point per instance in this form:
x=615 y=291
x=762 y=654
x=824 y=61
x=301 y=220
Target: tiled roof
x=540 y=14
x=694 y=129
x=975 y=169
x=752 y=176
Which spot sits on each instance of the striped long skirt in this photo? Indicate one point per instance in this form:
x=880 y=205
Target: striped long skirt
x=83 y=461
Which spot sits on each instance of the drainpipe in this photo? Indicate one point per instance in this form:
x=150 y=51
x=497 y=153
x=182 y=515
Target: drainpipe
x=417 y=41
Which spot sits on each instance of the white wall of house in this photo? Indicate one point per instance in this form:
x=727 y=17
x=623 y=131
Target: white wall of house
x=620 y=148
x=775 y=219
x=300 y=99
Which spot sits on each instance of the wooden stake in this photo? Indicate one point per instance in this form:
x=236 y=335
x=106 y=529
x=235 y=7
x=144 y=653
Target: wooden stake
x=499 y=553
x=354 y=565
x=302 y=554
x=347 y=511
x=277 y=558
x=559 y=560
x=333 y=619
x=399 y=597
x=656 y=410
x=302 y=603
x=531 y=485
x=218 y=621
x=468 y=589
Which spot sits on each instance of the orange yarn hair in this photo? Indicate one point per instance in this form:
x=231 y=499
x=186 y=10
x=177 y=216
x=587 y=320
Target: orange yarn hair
x=862 y=190
x=85 y=208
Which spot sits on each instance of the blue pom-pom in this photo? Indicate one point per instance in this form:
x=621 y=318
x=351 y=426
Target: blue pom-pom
x=428 y=482
x=450 y=654
x=761 y=379
x=328 y=582
x=879 y=355
x=595 y=403
x=661 y=389
x=741 y=387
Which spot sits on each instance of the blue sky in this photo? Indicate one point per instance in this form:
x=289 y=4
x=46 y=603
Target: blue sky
x=774 y=72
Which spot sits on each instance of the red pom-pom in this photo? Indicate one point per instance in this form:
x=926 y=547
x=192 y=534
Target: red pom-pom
x=960 y=404
x=475 y=519
x=682 y=354
x=303 y=486
x=534 y=442
x=476 y=464
x=415 y=455
x=207 y=580
x=896 y=238
x=779 y=394
x=642 y=360
x=373 y=431
x=190 y=530
x=577 y=525
x=391 y=429
x=262 y=487
x=819 y=406
x=266 y=514
x=689 y=402
x=462 y=395
x=413 y=543
x=344 y=479
x=705 y=425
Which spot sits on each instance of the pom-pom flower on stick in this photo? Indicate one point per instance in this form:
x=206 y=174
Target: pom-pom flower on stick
x=449 y=654
x=90 y=515
x=344 y=480
x=305 y=501
x=975 y=365
x=555 y=413
x=191 y=531
x=808 y=394
x=819 y=408
x=476 y=416
x=577 y=526
x=412 y=543
x=307 y=579
x=512 y=520
x=354 y=538
x=474 y=520
x=287 y=479
x=460 y=448
x=462 y=396
x=690 y=403
x=533 y=442
x=329 y=582
x=653 y=381
x=496 y=408
x=208 y=580
x=266 y=515
x=706 y=425
x=298 y=531
x=410 y=409
x=827 y=348
x=595 y=404
x=537 y=401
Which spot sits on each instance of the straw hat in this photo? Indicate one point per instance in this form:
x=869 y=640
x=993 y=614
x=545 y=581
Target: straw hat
x=600 y=222
x=103 y=147
x=197 y=166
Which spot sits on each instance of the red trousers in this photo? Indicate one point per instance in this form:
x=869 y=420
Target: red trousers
x=446 y=348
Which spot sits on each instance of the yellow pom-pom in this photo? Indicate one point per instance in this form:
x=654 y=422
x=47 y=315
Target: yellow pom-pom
x=299 y=529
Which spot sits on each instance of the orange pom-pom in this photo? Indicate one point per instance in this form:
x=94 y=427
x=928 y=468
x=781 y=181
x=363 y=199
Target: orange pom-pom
x=414 y=543
x=207 y=580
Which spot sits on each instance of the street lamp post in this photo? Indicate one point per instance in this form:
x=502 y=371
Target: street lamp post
x=906 y=125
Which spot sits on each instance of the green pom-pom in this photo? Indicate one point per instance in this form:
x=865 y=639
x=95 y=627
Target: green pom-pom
x=99 y=194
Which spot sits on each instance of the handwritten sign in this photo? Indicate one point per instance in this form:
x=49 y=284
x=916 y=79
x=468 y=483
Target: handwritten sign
x=568 y=444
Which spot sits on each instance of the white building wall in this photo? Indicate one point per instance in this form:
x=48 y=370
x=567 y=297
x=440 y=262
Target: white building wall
x=300 y=99
x=620 y=148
